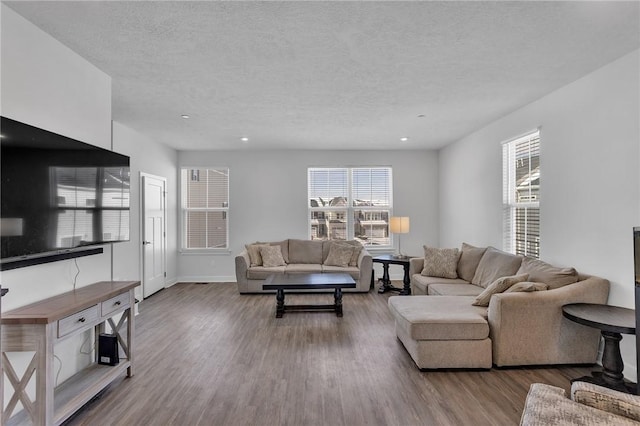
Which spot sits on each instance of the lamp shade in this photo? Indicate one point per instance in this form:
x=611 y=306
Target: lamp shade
x=399 y=224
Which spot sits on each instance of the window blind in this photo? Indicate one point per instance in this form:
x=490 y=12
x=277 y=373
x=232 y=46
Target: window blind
x=205 y=205
x=350 y=203
x=521 y=195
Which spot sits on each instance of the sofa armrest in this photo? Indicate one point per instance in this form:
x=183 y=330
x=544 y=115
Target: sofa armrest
x=242 y=265
x=529 y=328
x=365 y=265
x=612 y=401
x=416 y=265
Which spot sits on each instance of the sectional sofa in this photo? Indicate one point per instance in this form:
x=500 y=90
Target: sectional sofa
x=477 y=307
x=303 y=256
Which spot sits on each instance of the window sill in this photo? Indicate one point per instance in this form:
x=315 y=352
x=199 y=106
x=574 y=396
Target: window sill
x=205 y=252
x=380 y=250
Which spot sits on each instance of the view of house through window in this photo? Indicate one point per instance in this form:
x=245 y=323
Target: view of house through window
x=521 y=199
x=350 y=203
x=205 y=208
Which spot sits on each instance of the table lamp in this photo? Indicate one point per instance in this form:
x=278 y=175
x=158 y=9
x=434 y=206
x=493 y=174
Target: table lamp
x=399 y=225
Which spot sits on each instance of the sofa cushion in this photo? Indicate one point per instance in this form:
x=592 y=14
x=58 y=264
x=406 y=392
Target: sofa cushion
x=540 y=271
x=261 y=273
x=440 y=318
x=498 y=286
x=526 y=286
x=271 y=256
x=255 y=258
x=440 y=262
x=469 y=259
x=305 y=251
x=495 y=264
x=354 y=271
x=339 y=255
x=293 y=268
x=454 y=290
x=422 y=282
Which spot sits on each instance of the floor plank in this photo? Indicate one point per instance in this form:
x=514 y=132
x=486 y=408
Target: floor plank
x=207 y=355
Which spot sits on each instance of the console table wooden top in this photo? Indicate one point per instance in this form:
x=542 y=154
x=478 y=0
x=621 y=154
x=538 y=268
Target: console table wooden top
x=57 y=307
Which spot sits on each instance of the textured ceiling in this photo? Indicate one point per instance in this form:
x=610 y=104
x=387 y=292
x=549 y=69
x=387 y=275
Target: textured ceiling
x=333 y=75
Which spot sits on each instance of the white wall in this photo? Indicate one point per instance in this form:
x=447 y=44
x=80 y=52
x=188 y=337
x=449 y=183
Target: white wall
x=590 y=179
x=45 y=84
x=268 y=196
x=153 y=158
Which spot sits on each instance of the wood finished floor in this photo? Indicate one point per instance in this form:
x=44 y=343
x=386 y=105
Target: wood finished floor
x=207 y=355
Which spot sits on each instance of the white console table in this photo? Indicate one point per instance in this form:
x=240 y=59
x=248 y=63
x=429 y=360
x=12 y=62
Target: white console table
x=39 y=326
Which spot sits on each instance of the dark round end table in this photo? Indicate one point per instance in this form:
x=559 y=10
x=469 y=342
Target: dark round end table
x=612 y=321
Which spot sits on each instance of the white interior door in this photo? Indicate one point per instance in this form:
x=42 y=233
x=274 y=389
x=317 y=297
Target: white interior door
x=153 y=234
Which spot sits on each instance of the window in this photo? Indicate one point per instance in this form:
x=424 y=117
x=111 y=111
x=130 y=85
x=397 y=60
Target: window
x=205 y=208
x=350 y=203
x=521 y=199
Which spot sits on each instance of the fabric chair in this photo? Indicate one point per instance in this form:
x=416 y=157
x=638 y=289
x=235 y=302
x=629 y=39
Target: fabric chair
x=589 y=405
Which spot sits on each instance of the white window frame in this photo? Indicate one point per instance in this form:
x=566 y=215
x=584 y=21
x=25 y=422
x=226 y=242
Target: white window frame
x=184 y=210
x=350 y=208
x=511 y=204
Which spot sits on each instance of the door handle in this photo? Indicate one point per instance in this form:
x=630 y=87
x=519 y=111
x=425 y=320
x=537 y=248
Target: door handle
x=144 y=243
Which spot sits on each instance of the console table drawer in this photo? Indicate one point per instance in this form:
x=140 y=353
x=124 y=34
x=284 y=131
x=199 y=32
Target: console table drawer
x=77 y=321
x=114 y=304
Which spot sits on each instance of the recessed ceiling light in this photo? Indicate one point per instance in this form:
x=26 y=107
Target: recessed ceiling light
x=244 y=139
x=404 y=139
x=185 y=116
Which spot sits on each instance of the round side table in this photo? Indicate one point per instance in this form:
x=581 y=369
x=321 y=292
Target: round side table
x=612 y=321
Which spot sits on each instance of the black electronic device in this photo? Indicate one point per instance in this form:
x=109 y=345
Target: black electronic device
x=59 y=195
x=108 y=349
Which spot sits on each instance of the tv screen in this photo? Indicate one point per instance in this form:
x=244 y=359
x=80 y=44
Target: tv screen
x=58 y=194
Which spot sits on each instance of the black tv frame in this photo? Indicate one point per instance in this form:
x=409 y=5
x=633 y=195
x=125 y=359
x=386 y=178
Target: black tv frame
x=636 y=270
x=48 y=258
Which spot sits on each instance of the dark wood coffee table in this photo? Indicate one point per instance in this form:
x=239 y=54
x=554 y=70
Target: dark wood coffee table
x=612 y=321
x=282 y=282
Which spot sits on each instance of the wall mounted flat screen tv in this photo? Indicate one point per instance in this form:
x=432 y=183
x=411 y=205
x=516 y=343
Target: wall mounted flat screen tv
x=58 y=195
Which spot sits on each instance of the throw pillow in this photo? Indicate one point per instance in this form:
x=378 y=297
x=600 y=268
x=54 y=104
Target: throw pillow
x=339 y=255
x=554 y=277
x=271 y=256
x=469 y=259
x=356 y=247
x=526 y=286
x=498 y=286
x=254 y=253
x=495 y=264
x=284 y=246
x=440 y=262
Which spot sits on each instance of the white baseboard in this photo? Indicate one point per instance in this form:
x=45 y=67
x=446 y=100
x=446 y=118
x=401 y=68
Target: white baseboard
x=169 y=283
x=206 y=279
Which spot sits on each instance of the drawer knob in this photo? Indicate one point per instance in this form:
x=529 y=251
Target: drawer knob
x=117 y=303
x=81 y=319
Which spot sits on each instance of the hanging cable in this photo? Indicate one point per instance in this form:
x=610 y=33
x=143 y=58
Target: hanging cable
x=77 y=273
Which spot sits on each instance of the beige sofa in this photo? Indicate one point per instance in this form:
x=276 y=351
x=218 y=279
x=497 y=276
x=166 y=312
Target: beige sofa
x=303 y=256
x=589 y=405
x=441 y=328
